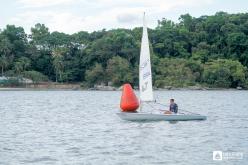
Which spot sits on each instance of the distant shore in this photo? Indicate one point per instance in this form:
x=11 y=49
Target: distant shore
x=77 y=87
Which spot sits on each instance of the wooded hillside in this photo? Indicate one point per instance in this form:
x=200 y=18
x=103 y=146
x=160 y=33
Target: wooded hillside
x=210 y=51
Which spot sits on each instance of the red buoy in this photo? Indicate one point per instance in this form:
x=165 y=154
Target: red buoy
x=129 y=101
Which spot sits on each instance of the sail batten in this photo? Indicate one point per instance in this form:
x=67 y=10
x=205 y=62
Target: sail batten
x=145 y=74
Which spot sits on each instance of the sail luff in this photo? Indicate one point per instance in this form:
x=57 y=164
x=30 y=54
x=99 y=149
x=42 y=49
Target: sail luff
x=145 y=74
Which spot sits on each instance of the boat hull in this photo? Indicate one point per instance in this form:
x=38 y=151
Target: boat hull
x=159 y=117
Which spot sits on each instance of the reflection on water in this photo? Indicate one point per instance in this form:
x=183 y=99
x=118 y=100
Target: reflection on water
x=81 y=127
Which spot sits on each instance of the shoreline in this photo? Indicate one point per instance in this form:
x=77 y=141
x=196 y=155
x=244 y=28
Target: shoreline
x=110 y=88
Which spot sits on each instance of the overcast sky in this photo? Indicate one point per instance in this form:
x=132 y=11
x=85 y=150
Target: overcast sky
x=71 y=16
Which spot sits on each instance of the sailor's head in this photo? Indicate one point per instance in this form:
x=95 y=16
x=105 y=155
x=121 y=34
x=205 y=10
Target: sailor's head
x=171 y=100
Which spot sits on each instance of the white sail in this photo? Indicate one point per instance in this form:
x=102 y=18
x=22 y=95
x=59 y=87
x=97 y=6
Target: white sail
x=145 y=74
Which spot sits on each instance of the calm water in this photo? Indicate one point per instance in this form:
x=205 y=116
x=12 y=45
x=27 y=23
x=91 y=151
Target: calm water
x=80 y=127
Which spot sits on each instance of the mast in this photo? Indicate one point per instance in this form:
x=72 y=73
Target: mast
x=145 y=74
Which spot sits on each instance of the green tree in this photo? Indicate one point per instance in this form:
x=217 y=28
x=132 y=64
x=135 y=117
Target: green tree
x=35 y=76
x=119 y=71
x=176 y=72
x=187 y=21
x=58 y=63
x=56 y=39
x=81 y=37
x=224 y=73
x=5 y=46
x=95 y=75
x=3 y=63
x=40 y=35
x=21 y=65
x=15 y=41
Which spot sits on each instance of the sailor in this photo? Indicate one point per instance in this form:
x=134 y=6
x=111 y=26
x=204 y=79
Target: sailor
x=173 y=107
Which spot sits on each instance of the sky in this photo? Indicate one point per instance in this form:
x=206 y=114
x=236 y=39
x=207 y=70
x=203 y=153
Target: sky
x=71 y=16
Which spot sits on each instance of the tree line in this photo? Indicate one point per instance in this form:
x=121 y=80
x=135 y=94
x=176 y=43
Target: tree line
x=208 y=51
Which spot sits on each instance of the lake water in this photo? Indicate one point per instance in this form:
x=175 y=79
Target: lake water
x=81 y=128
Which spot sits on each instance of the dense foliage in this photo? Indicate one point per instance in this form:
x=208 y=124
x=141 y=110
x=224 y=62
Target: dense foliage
x=209 y=50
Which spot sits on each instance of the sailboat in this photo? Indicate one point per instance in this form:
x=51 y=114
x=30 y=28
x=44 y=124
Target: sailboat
x=146 y=91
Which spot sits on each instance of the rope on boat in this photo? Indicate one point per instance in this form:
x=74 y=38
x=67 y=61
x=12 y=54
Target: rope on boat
x=178 y=108
x=154 y=108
